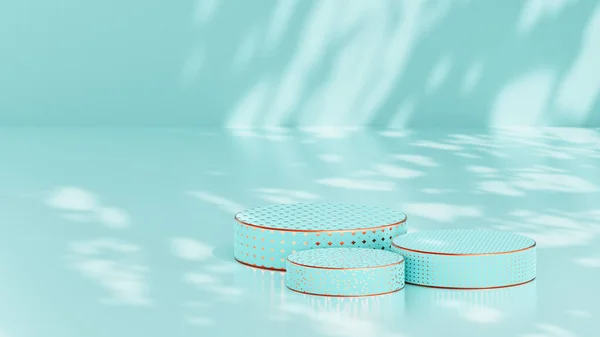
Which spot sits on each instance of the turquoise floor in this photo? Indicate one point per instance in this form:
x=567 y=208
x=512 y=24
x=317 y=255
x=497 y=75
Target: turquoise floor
x=127 y=232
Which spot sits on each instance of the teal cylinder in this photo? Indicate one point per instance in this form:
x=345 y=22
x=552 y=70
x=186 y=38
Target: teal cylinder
x=467 y=258
x=345 y=272
x=265 y=236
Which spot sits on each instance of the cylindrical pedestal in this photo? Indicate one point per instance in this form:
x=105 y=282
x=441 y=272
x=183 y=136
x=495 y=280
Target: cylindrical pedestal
x=345 y=272
x=467 y=259
x=264 y=237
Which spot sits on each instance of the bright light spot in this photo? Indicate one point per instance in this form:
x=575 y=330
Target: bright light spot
x=553 y=182
x=330 y=158
x=472 y=78
x=435 y=191
x=482 y=169
x=416 y=159
x=483 y=315
x=499 y=187
x=439 y=73
x=281 y=17
x=396 y=172
x=393 y=133
x=113 y=217
x=442 y=212
x=579 y=313
x=224 y=204
x=205 y=10
x=123 y=278
x=72 y=199
x=550 y=330
x=438 y=146
x=357 y=184
x=249 y=109
x=523 y=102
x=535 y=10
x=589 y=262
x=405 y=110
x=246 y=51
x=579 y=89
x=189 y=249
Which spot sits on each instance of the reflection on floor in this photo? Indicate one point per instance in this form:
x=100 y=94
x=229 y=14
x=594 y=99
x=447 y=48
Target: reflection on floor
x=115 y=232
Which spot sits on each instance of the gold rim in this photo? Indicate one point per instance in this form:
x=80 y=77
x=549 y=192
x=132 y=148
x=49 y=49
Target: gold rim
x=399 y=223
x=259 y=267
x=344 y=296
x=358 y=268
x=451 y=254
x=484 y=288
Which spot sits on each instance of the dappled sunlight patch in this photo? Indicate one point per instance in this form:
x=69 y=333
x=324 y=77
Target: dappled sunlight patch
x=579 y=313
x=115 y=266
x=472 y=78
x=523 y=101
x=553 y=182
x=519 y=181
x=328 y=132
x=442 y=212
x=222 y=203
x=205 y=10
x=283 y=196
x=500 y=187
x=483 y=170
x=403 y=113
x=394 y=133
x=536 y=11
x=552 y=229
x=113 y=217
x=579 y=89
x=416 y=159
x=190 y=249
x=588 y=262
x=246 y=50
x=80 y=205
x=330 y=158
x=468 y=155
x=437 y=145
x=279 y=22
x=549 y=330
x=439 y=73
x=481 y=314
x=359 y=184
x=248 y=109
x=397 y=172
x=436 y=191
x=72 y=199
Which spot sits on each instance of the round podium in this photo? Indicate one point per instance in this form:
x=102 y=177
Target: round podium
x=467 y=259
x=345 y=272
x=265 y=236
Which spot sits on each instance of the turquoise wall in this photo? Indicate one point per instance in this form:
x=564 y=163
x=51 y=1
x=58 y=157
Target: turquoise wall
x=412 y=63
